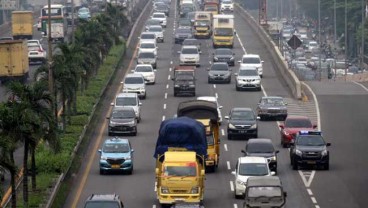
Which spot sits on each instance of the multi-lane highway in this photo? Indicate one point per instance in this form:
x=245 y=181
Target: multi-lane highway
x=341 y=115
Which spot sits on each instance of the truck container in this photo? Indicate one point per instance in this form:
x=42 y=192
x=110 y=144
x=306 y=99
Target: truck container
x=206 y=113
x=211 y=6
x=223 y=30
x=184 y=80
x=22 y=24
x=14 y=63
x=180 y=154
x=202 y=24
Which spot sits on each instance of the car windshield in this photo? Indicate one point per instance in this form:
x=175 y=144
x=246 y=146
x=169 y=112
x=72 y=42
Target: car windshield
x=147 y=45
x=161 y=7
x=126 y=101
x=298 y=123
x=313 y=44
x=251 y=60
x=255 y=147
x=186 y=169
x=115 y=148
x=310 y=140
x=33 y=48
x=189 y=51
x=268 y=191
x=146 y=55
x=226 y=2
x=100 y=204
x=248 y=73
x=158 y=16
x=147 y=36
x=219 y=67
x=83 y=10
x=153 y=22
x=143 y=69
x=190 y=42
x=155 y=29
x=242 y=115
x=223 y=52
x=184 y=22
x=272 y=101
x=134 y=80
x=123 y=114
x=253 y=169
x=183 y=30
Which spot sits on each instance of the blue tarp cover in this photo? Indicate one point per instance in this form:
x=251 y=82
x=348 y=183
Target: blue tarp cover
x=181 y=132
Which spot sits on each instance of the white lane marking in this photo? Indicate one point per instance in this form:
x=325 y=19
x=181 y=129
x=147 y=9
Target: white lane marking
x=225 y=147
x=164 y=105
x=214 y=86
x=167 y=86
x=171 y=62
x=317 y=206
x=235 y=206
x=169 y=77
x=307 y=180
x=231 y=186
x=310 y=192
x=209 y=62
x=228 y=165
x=222 y=132
x=314 y=200
x=364 y=87
x=170 y=69
x=154 y=206
x=163 y=118
x=241 y=44
x=216 y=95
x=165 y=95
x=155 y=186
x=317 y=107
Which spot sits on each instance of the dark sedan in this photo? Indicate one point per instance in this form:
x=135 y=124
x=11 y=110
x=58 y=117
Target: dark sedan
x=272 y=107
x=122 y=121
x=224 y=55
x=242 y=122
x=183 y=33
x=219 y=72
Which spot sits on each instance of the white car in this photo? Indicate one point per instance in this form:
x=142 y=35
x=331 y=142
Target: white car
x=147 y=47
x=312 y=45
x=189 y=55
x=160 y=16
x=147 y=37
x=247 y=78
x=128 y=100
x=247 y=167
x=227 y=6
x=134 y=83
x=253 y=60
x=147 y=71
x=159 y=32
x=214 y=100
x=36 y=53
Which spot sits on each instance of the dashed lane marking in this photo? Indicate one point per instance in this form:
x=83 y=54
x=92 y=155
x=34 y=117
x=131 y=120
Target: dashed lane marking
x=225 y=147
x=314 y=200
x=214 y=86
x=165 y=95
x=168 y=77
x=228 y=165
x=231 y=186
x=222 y=132
x=216 y=95
x=171 y=62
x=307 y=177
x=164 y=105
x=310 y=192
x=170 y=69
x=235 y=206
x=167 y=86
x=163 y=118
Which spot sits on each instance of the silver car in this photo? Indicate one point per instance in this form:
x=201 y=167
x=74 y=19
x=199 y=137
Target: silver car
x=272 y=107
x=147 y=58
x=157 y=29
x=135 y=83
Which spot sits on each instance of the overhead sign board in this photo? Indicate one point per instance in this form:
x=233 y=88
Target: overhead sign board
x=8 y=4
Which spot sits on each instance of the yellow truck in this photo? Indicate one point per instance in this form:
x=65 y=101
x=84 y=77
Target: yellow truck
x=202 y=24
x=22 y=24
x=206 y=113
x=14 y=63
x=180 y=154
x=223 y=30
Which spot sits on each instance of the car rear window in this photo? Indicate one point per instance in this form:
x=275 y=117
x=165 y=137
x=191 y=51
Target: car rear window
x=260 y=148
x=298 y=123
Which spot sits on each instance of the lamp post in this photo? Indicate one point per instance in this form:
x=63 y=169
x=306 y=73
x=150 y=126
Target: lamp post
x=319 y=41
x=363 y=35
x=346 y=37
x=49 y=53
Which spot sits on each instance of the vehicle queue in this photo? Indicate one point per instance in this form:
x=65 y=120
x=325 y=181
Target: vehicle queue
x=260 y=155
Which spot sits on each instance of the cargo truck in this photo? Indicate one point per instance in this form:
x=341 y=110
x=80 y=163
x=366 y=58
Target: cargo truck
x=184 y=80
x=14 y=63
x=22 y=24
x=180 y=154
x=223 y=30
x=206 y=113
x=202 y=24
x=211 y=6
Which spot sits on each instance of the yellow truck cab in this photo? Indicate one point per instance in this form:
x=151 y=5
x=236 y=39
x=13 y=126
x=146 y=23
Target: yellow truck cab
x=22 y=24
x=180 y=154
x=202 y=24
x=223 y=30
x=206 y=113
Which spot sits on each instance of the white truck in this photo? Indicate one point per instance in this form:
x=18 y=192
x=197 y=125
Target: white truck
x=57 y=31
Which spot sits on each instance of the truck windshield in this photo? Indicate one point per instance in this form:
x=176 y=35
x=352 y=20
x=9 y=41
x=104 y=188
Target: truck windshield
x=270 y=191
x=180 y=170
x=224 y=32
x=210 y=8
x=202 y=23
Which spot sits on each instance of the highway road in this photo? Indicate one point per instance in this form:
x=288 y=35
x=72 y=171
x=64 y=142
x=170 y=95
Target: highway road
x=341 y=115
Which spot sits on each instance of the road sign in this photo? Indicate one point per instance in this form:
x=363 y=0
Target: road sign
x=294 y=42
x=8 y=4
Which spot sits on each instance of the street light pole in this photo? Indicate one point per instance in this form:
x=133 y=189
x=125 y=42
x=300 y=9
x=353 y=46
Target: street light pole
x=335 y=35
x=363 y=34
x=319 y=40
x=49 y=53
x=346 y=37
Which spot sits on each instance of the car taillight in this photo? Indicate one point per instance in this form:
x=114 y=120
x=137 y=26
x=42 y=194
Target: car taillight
x=40 y=50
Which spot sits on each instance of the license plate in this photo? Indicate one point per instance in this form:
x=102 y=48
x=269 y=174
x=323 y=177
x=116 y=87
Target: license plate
x=242 y=131
x=311 y=162
x=115 y=166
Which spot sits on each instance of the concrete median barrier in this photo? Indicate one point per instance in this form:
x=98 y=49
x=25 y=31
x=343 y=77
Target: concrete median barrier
x=288 y=75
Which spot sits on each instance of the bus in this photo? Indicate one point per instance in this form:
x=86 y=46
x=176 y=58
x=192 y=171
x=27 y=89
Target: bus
x=58 y=21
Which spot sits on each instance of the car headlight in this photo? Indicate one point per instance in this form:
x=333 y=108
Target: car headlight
x=176 y=35
x=286 y=133
x=324 y=152
x=142 y=89
x=298 y=152
x=254 y=126
x=176 y=86
x=127 y=158
x=164 y=190
x=215 y=58
x=103 y=158
x=130 y=123
x=241 y=182
x=273 y=158
x=231 y=126
x=113 y=123
x=192 y=85
x=195 y=190
x=232 y=58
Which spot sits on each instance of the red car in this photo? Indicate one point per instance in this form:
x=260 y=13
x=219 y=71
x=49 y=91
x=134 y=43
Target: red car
x=292 y=125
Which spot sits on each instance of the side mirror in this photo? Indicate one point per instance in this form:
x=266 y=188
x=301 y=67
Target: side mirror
x=99 y=151
x=273 y=173
x=258 y=118
x=236 y=74
x=281 y=126
x=200 y=52
x=132 y=71
x=242 y=151
x=230 y=69
x=140 y=104
x=239 y=61
x=122 y=82
x=107 y=117
x=292 y=142
x=202 y=172
x=286 y=103
x=208 y=69
x=220 y=107
x=157 y=171
x=173 y=79
x=227 y=117
x=328 y=144
x=132 y=150
x=277 y=151
x=112 y=104
x=179 y=52
x=233 y=172
x=234 y=32
x=262 y=61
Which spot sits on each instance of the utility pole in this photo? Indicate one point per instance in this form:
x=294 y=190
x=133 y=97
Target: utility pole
x=319 y=41
x=346 y=37
x=363 y=34
x=49 y=53
x=335 y=35
x=72 y=21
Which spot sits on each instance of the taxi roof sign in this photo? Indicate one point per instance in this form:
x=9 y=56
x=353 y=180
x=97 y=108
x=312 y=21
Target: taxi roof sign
x=310 y=132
